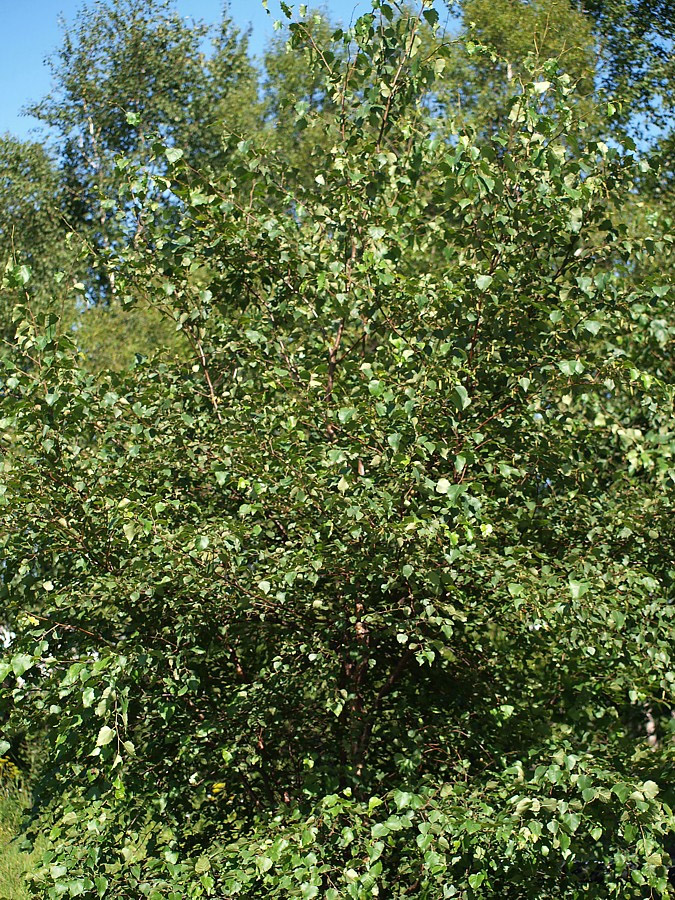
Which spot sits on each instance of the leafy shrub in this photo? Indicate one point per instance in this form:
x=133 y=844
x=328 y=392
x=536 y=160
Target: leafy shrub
x=373 y=597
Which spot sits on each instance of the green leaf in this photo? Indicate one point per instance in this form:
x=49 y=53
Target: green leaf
x=88 y=697
x=578 y=588
x=105 y=736
x=622 y=791
x=21 y=663
x=173 y=154
x=571 y=367
x=460 y=396
x=650 y=789
x=394 y=440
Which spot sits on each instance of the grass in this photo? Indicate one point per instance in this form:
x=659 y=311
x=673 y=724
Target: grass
x=13 y=863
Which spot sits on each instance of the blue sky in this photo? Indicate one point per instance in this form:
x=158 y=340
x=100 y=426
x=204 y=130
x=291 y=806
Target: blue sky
x=31 y=33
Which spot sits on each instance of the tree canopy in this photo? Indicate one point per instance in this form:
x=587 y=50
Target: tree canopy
x=356 y=579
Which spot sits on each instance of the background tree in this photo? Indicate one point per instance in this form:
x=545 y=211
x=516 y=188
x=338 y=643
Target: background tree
x=33 y=232
x=475 y=89
x=636 y=42
x=123 y=72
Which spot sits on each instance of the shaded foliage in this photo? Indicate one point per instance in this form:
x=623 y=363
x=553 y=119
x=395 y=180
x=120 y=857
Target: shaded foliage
x=367 y=589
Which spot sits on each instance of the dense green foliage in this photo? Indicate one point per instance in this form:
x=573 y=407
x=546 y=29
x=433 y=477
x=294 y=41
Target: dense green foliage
x=362 y=585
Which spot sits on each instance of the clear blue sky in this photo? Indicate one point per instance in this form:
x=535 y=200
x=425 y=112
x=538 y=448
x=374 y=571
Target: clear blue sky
x=31 y=33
